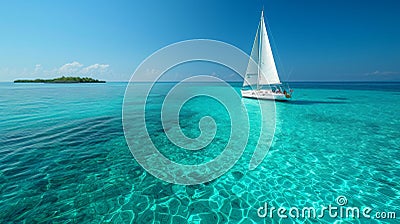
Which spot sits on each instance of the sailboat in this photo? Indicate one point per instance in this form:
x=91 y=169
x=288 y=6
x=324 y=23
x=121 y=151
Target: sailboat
x=261 y=71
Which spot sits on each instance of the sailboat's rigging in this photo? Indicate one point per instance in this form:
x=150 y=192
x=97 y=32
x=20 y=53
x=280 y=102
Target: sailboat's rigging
x=261 y=70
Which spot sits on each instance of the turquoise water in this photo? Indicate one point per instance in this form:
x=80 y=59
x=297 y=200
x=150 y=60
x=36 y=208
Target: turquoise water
x=64 y=158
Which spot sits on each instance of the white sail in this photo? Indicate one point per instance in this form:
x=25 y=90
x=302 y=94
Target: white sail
x=252 y=71
x=269 y=74
x=262 y=70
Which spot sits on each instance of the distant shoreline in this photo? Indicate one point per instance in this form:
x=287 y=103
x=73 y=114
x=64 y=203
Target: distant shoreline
x=62 y=79
x=294 y=82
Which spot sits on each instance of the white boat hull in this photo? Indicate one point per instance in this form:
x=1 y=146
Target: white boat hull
x=265 y=95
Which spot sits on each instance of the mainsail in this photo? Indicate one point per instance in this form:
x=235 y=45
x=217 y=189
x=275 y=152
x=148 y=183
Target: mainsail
x=251 y=78
x=261 y=69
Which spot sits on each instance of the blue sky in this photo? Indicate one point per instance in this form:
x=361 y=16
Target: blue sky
x=313 y=40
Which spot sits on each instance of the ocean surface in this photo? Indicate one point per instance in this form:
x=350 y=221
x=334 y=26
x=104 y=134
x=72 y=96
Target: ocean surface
x=64 y=157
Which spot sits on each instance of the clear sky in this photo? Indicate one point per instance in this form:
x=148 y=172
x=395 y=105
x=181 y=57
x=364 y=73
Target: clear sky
x=313 y=40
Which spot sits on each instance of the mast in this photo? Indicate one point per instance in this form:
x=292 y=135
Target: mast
x=259 y=50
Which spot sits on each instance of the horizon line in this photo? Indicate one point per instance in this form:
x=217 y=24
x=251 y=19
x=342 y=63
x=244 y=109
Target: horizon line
x=235 y=81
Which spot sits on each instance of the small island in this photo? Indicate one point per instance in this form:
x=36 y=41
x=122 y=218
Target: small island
x=62 y=79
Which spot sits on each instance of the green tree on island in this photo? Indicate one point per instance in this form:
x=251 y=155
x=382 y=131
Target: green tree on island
x=62 y=79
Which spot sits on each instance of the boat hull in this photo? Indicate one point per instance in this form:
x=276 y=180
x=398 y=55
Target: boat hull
x=265 y=95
